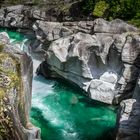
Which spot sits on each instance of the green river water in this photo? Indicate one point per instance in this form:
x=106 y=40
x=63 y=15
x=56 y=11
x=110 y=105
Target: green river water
x=63 y=112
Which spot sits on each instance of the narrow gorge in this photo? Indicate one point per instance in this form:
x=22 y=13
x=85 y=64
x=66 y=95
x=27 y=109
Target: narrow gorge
x=84 y=77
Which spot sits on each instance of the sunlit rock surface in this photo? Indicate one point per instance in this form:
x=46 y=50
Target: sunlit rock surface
x=116 y=26
x=103 y=64
x=15 y=93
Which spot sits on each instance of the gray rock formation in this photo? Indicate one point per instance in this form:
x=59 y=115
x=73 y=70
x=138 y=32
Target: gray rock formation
x=36 y=23
x=15 y=93
x=129 y=117
x=116 y=26
x=50 y=30
x=129 y=120
x=105 y=65
x=46 y=32
x=23 y=16
x=14 y=16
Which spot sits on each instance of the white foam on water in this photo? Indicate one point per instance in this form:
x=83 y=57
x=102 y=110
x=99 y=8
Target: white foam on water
x=41 y=88
x=47 y=113
x=12 y=40
x=70 y=135
x=52 y=115
x=36 y=63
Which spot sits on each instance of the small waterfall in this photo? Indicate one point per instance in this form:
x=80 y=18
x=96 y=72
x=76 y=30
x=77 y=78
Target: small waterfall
x=24 y=47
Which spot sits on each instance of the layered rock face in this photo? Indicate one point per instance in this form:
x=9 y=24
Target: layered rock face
x=105 y=64
x=15 y=93
x=40 y=24
x=15 y=16
x=22 y=16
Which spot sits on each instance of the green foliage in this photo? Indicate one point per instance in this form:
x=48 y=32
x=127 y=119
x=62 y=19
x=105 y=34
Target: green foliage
x=135 y=22
x=128 y=10
x=100 y=8
x=125 y=9
x=9 y=80
x=6 y=124
x=1 y=47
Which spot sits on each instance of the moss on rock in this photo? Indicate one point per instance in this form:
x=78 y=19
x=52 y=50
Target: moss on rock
x=9 y=80
x=15 y=93
x=100 y=8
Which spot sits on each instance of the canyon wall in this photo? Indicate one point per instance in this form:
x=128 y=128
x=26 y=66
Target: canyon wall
x=99 y=56
x=15 y=93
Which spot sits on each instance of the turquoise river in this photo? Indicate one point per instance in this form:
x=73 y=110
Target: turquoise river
x=63 y=112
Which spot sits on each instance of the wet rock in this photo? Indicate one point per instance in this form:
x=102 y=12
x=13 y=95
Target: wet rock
x=4 y=38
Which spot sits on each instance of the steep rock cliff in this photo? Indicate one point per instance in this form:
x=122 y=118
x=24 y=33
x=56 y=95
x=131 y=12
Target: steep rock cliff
x=15 y=93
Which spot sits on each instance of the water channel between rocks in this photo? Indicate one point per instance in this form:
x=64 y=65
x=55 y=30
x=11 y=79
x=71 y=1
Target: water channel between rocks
x=63 y=112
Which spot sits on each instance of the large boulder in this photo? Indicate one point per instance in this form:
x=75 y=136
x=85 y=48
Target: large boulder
x=105 y=65
x=46 y=32
x=12 y=16
x=15 y=93
x=85 y=60
x=50 y=30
